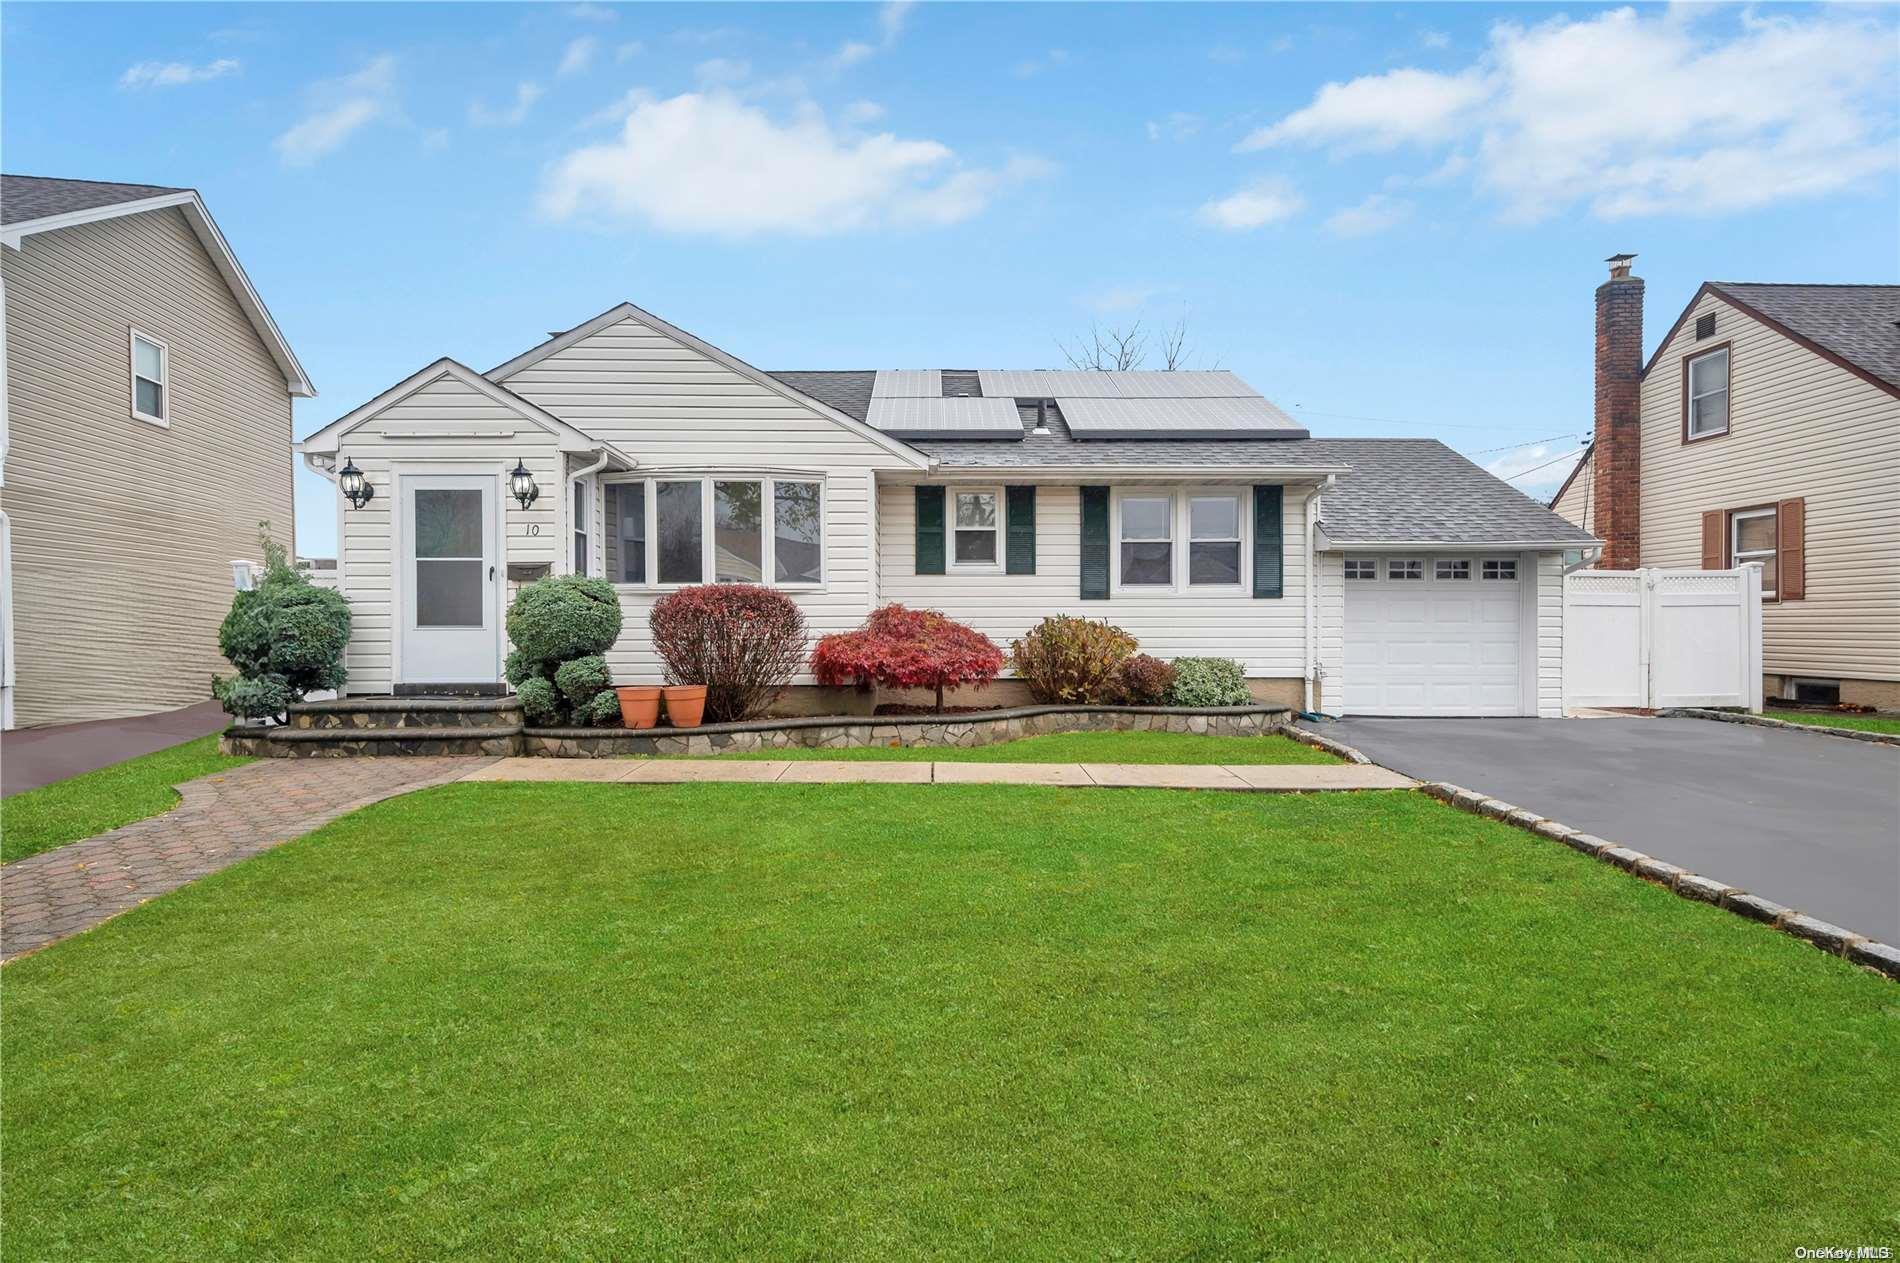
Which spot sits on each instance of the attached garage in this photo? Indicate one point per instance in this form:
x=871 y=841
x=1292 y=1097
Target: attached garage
x=1439 y=634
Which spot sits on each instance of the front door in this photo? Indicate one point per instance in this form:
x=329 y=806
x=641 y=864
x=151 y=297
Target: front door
x=451 y=595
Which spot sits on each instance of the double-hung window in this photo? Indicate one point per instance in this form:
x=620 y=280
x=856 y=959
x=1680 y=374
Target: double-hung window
x=978 y=522
x=1147 y=541
x=1706 y=393
x=1214 y=540
x=580 y=527
x=678 y=531
x=151 y=379
x=1752 y=539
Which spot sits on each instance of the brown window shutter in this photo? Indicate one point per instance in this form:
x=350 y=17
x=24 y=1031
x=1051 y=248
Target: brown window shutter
x=1791 y=553
x=1714 y=554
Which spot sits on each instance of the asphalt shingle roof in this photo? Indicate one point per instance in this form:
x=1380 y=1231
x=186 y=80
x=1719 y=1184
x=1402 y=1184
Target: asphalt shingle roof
x=1855 y=322
x=1411 y=490
x=24 y=197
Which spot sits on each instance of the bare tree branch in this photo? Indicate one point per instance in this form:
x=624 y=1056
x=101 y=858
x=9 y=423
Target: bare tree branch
x=1114 y=349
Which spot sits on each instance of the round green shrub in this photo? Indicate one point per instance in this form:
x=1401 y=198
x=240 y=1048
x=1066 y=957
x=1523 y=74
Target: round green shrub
x=539 y=701
x=604 y=710
x=285 y=637
x=565 y=617
x=1210 y=682
x=253 y=696
x=520 y=668
x=581 y=679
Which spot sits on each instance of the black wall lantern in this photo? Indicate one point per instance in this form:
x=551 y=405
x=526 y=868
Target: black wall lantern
x=355 y=487
x=521 y=483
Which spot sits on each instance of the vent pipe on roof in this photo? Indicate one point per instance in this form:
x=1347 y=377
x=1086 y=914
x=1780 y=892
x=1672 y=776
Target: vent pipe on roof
x=1042 y=417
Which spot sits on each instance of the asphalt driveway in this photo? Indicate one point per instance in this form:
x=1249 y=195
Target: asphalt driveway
x=1806 y=820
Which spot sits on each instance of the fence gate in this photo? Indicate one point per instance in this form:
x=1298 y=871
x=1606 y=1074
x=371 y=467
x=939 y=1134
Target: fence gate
x=1651 y=639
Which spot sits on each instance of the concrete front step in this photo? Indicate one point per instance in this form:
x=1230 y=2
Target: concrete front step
x=369 y=714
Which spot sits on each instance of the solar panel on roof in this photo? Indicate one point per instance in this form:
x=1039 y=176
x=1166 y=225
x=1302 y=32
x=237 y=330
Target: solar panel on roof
x=967 y=418
x=908 y=383
x=1176 y=418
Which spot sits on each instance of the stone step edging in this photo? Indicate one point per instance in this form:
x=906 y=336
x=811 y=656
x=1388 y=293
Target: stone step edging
x=1765 y=721
x=1832 y=939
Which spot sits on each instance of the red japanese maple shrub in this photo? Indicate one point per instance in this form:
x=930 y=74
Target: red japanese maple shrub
x=905 y=648
x=742 y=641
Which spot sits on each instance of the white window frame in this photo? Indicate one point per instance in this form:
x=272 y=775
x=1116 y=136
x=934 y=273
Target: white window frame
x=133 y=337
x=1728 y=369
x=1392 y=562
x=1180 y=523
x=950 y=527
x=1439 y=565
x=578 y=534
x=1241 y=504
x=1738 y=556
x=610 y=529
x=768 y=526
x=1371 y=563
x=1492 y=570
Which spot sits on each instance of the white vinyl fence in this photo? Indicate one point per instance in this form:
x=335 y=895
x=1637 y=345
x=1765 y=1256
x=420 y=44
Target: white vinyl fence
x=1651 y=639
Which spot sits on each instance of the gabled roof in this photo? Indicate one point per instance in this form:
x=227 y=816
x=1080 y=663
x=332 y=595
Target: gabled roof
x=34 y=204
x=1854 y=326
x=1418 y=491
x=1583 y=463
x=330 y=437
x=627 y=311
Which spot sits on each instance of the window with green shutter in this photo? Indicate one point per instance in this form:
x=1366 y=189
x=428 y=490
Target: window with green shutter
x=929 y=530
x=1095 y=544
x=1020 y=524
x=1269 y=560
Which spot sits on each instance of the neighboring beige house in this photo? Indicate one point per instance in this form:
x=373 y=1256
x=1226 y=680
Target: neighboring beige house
x=1768 y=425
x=144 y=434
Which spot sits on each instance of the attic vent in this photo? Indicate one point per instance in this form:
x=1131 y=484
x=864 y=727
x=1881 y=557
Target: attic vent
x=1705 y=326
x=961 y=383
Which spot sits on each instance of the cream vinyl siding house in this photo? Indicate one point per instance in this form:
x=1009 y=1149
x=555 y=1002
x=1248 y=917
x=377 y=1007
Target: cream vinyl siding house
x=1807 y=462
x=659 y=461
x=125 y=512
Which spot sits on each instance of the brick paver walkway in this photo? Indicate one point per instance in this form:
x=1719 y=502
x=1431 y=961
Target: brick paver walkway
x=221 y=820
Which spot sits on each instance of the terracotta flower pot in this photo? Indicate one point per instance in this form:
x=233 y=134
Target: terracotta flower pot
x=639 y=705
x=685 y=705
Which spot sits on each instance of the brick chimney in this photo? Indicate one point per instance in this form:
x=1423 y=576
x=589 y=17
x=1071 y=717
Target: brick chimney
x=1617 y=488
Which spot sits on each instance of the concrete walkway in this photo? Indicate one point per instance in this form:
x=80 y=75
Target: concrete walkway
x=32 y=757
x=1282 y=777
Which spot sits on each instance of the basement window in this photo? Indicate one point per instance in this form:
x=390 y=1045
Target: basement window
x=1706 y=394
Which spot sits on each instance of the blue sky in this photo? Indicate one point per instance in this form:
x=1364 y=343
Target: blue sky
x=1389 y=219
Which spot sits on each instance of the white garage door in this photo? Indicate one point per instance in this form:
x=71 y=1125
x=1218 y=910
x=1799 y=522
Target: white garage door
x=1432 y=635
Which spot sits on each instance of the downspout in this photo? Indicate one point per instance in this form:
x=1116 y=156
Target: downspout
x=1312 y=593
x=586 y=472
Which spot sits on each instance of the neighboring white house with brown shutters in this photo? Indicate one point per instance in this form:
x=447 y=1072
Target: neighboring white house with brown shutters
x=1377 y=576
x=1769 y=422
x=144 y=434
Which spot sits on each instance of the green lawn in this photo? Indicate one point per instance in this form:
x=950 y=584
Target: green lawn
x=65 y=811
x=1864 y=723
x=1079 y=747
x=874 y=1022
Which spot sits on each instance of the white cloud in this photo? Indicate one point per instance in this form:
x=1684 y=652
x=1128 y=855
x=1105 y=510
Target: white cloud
x=891 y=17
x=1263 y=202
x=1539 y=467
x=861 y=112
x=890 y=25
x=1687 y=110
x=591 y=12
x=1376 y=214
x=526 y=94
x=850 y=54
x=172 y=74
x=711 y=163
x=1434 y=39
x=1378 y=112
x=719 y=72
x=342 y=107
x=1115 y=300
x=1178 y=125
x=1030 y=67
x=632 y=48
x=579 y=55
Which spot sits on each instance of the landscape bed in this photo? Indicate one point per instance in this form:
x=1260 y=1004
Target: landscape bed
x=877 y=1021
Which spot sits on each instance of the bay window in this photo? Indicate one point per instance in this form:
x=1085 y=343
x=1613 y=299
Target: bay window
x=679 y=531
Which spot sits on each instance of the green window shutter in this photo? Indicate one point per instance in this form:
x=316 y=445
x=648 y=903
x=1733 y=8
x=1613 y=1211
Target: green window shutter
x=1269 y=559
x=1095 y=543
x=930 y=530
x=1020 y=549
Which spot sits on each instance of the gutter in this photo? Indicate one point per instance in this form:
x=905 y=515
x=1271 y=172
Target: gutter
x=1172 y=473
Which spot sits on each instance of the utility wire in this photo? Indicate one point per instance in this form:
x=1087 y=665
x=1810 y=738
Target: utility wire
x=1512 y=447
x=1546 y=465
x=1348 y=416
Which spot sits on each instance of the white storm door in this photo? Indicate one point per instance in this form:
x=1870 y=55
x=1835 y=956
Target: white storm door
x=451 y=592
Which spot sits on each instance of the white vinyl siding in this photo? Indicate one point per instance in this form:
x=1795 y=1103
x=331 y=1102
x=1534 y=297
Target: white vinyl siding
x=1266 y=636
x=680 y=413
x=145 y=520
x=1800 y=427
